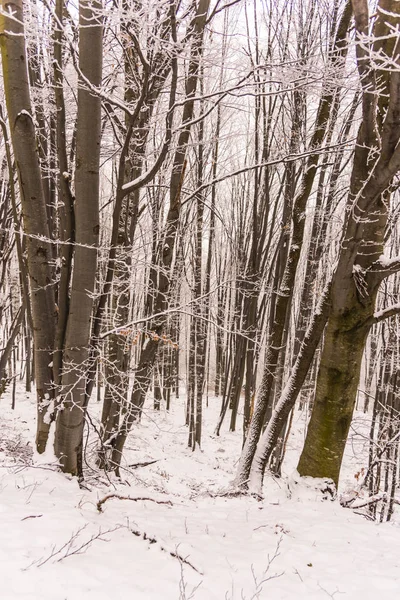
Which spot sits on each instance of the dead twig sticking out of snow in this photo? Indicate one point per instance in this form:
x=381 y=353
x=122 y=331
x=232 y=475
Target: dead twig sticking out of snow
x=331 y=595
x=183 y=587
x=265 y=577
x=174 y=554
x=120 y=497
x=70 y=548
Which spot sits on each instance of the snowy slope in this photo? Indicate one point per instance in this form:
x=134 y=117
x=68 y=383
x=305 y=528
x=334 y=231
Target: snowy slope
x=56 y=545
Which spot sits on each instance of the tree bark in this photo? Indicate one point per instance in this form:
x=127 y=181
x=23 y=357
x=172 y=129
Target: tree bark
x=70 y=422
x=35 y=219
x=355 y=285
x=166 y=252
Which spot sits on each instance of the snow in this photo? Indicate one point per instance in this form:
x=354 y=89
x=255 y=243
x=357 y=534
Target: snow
x=56 y=545
x=386 y=262
x=24 y=113
x=380 y=314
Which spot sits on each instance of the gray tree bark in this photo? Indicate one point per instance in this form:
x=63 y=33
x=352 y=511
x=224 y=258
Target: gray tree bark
x=166 y=253
x=70 y=421
x=35 y=218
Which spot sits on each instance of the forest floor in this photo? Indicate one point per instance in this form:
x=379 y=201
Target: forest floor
x=56 y=545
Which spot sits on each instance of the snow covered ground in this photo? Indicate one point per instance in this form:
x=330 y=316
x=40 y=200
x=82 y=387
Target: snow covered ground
x=56 y=545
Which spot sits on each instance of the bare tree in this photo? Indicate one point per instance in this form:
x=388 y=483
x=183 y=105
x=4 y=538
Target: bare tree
x=36 y=224
x=361 y=268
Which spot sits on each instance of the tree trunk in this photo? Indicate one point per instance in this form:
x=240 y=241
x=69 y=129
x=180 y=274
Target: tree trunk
x=335 y=397
x=23 y=135
x=167 y=249
x=356 y=281
x=70 y=422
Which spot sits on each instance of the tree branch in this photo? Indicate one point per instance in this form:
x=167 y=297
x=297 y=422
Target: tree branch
x=385 y=267
x=381 y=315
x=120 y=497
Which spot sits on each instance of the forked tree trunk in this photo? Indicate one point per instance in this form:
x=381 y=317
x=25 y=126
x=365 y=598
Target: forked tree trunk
x=359 y=271
x=288 y=396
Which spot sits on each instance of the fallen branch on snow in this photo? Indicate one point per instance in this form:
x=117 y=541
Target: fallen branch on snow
x=143 y=464
x=120 y=497
x=356 y=502
x=153 y=540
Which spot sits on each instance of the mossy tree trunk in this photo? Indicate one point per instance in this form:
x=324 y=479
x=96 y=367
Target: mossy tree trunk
x=336 y=392
x=360 y=268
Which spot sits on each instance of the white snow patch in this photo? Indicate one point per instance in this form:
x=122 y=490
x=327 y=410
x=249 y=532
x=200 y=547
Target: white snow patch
x=56 y=545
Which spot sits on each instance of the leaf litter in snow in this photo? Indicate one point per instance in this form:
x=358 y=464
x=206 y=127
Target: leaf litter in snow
x=179 y=539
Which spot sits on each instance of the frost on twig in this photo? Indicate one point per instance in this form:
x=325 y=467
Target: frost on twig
x=356 y=502
x=183 y=587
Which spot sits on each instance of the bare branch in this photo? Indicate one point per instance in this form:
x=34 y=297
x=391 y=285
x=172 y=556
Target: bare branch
x=138 y=499
x=381 y=315
x=174 y=554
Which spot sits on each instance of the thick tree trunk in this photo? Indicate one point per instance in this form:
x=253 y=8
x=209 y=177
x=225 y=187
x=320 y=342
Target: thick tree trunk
x=23 y=135
x=376 y=161
x=336 y=393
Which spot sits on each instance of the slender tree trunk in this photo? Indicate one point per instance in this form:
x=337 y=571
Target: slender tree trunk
x=166 y=253
x=67 y=201
x=70 y=422
x=6 y=354
x=287 y=400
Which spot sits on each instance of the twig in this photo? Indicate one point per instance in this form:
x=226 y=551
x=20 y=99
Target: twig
x=69 y=548
x=183 y=586
x=119 y=497
x=361 y=502
x=143 y=464
x=331 y=595
x=259 y=583
x=153 y=540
